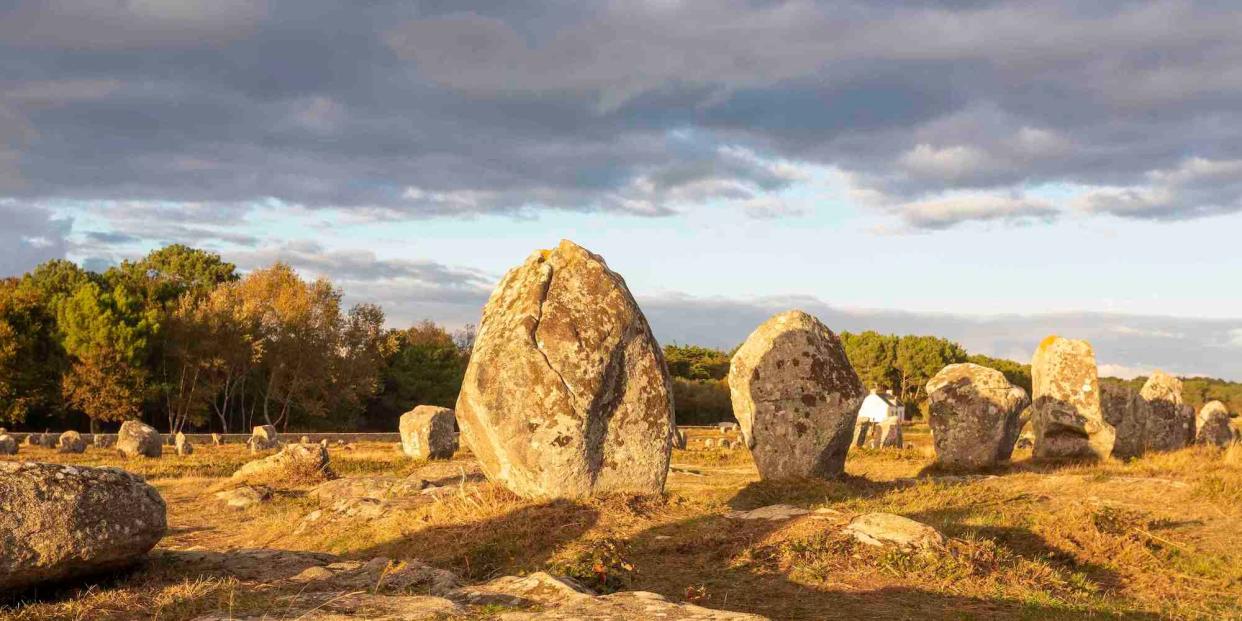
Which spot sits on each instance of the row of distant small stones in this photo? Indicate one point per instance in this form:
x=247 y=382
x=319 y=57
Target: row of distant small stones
x=136 y=439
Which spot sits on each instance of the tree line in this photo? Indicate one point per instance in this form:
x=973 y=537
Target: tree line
x=901 y=365
x=183 y=341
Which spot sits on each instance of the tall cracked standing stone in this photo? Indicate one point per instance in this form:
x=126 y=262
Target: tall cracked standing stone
x=1066 y=413
x=8 y=444
x=136 y=439
x=59 y=522
x=427 y=433
x=974 y=415
x=567 y=393
x=1212 y=425
x=1169 y=424
x=795 y=396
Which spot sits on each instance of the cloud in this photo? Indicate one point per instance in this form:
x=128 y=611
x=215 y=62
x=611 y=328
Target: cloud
x=30 y=236
x=1187 y=346
x=418 y=110
x=1196 y=187
x=943 y=213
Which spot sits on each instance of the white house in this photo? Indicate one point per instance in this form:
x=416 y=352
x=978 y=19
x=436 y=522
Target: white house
x=878 y=407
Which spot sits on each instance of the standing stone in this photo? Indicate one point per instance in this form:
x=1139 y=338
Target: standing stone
x=8 y=445
x=567 y=393
x=1066 y=412
x=862 y=431
x=1213 y=425
x=1125 y=411
x=427 y=433
x=679 y=439
x=263 y=438
x=305 y=440
x=217 y=439
x=71 y=442
x=102 y=441
x=183 y=445
x=138 y=439
x=887 y=433
x=1170 y=423
x=64 y=522
x=795 y=396
x=34 y=439
x=974 y=415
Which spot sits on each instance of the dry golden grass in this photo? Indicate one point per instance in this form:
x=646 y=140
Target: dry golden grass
x=1154 y=538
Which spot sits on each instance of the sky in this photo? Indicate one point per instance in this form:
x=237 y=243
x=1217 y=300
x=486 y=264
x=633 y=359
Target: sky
x=990 y=172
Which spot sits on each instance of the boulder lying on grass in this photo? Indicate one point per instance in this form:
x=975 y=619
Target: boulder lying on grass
x=8 y=445
x=295 y=463
x=59 y=522
x=263 y=438
x=136 y=439
x=71 y=442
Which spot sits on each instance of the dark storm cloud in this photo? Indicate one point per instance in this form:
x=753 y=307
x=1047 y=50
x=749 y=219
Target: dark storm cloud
x=438 y=109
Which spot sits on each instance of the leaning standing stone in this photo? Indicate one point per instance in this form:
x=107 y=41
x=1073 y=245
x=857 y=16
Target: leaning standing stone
x=136 y=439
x=795 y=396
x=567 y=393
x=1170 y=423
x=974 y=415
x=63 y=522
x=427 y=433
x=1066 y=409
x=1213 y=425
x=71 y=442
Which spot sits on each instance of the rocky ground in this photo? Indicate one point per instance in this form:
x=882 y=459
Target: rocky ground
x=395 y=538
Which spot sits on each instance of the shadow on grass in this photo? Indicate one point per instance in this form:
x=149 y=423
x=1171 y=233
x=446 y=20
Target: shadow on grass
x=519 y=541
x=731 y=565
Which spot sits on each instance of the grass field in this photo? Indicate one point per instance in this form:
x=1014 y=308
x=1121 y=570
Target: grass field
x=1159 y=537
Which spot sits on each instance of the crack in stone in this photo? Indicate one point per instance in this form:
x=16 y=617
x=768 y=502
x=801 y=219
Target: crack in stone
x=543 y=297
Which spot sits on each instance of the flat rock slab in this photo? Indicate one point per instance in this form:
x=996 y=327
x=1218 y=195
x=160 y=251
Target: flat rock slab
x=887 y=529
x=245 y=496
x=352 y=606
x=770 y=512
x=350 y=591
